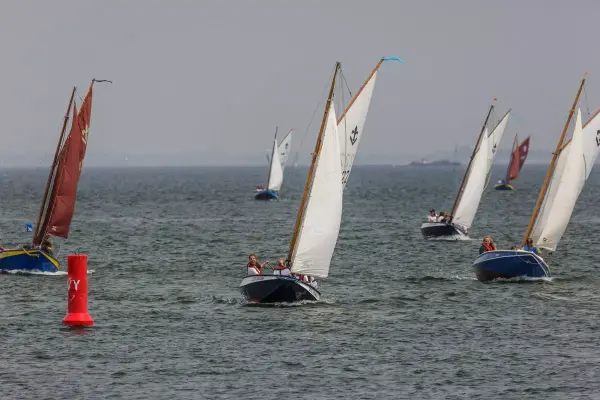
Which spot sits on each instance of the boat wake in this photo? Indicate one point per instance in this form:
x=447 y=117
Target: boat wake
x=454 y=238
x=523 y=279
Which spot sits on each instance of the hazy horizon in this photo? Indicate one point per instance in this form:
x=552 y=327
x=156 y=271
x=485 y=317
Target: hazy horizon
x=211 y=79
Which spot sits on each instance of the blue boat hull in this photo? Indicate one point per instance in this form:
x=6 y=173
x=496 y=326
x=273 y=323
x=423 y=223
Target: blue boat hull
x=507 y=264
x=266 y=195
x=28 y=260
x=504 y=186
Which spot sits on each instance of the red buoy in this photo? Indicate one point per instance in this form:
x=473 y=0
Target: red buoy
x=77 y=314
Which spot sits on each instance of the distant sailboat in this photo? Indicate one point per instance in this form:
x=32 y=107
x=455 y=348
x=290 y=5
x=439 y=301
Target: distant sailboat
x=472 y=186
x=567 y=173
x=517 y=159
x=277 y=161
x=58 y=204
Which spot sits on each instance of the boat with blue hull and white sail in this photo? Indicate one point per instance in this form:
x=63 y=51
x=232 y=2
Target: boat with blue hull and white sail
x=319 y=216
x=458 y=222
x=58 y=204
x=567 y=173
x=277 y=161
x=517 y=159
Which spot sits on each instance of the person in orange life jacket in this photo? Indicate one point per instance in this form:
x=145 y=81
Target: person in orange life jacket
x=281 y=268
x=530 y=247
x=487 y=245
x=254 y=267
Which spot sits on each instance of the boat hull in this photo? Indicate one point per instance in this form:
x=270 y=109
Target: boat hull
x=508 y=264
x=442 y=230
x=504 y=186
x=28 y=260
x=276 y=289
x=266 y=195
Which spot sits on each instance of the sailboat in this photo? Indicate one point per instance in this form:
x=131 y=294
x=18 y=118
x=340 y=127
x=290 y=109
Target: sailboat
x=567 y=173
x=517 y=159
x=472 y=186
x=58 y=204
x=319 y=216
x=277 y=161
x=317 y=222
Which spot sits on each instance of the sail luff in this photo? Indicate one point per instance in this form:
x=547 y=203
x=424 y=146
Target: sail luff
x=360 y=90
x=311 y=172
x=462 y=183
x=551 y=167
x=38 y=236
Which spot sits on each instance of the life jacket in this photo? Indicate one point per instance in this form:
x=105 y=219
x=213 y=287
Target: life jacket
x=488 y=247
x=256 y=268
x=280 y=267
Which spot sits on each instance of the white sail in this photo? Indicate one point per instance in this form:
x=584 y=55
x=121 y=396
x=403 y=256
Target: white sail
x=351 y=125
x=321 y=225
x=284 y=149
x=579 y=157
x=478 y=176
x=275 y=171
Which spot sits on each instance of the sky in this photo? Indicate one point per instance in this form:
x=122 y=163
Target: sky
x=206 y=82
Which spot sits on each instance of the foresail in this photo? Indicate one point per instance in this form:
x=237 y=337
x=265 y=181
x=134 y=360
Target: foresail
x=479 y=175
x=474 y=185
x=350 y=127
x=276 y=171
x=319 y=232
x=577 y=162
x=285 y=148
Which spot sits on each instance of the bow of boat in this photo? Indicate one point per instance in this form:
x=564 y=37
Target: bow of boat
x=276 y=289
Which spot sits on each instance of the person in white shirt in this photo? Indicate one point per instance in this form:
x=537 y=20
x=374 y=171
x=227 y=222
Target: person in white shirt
x=432 y=217
x=281 y=268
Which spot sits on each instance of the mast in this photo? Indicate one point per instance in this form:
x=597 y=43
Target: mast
x=311 y=171
x=52 y=168
x=512 y=157
x=272 y=153
x=552 y=165
x=462 y=183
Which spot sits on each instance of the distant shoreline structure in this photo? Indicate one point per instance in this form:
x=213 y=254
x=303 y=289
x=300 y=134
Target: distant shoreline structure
x=438 y=163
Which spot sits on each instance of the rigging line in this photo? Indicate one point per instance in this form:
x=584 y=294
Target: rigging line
x=587 y=104
x=313 y=116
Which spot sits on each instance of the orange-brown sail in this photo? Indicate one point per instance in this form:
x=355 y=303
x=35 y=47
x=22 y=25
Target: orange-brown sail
x=61 y=204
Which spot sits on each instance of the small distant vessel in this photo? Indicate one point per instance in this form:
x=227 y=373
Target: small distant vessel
x=439 y=163
x=472 y=186
x=58 y=204
x=567 y=173
x=277 y=161
x=517 y=159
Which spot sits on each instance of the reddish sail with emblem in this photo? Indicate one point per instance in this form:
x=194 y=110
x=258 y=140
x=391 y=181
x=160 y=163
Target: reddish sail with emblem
x=58 y=203
x=517 y=159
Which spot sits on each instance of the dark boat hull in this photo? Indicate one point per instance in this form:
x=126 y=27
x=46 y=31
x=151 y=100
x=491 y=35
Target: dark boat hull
x=504 y=186
x=27 y=260
x=276 y=289
x=266 y=195
x=508 y=264
x=441 y=230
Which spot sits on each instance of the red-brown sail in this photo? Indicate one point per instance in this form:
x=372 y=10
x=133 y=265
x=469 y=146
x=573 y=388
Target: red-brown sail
x=517 y=160
x=61 y=204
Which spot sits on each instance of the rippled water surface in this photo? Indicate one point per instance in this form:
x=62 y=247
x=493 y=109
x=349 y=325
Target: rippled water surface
x=400 y=317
